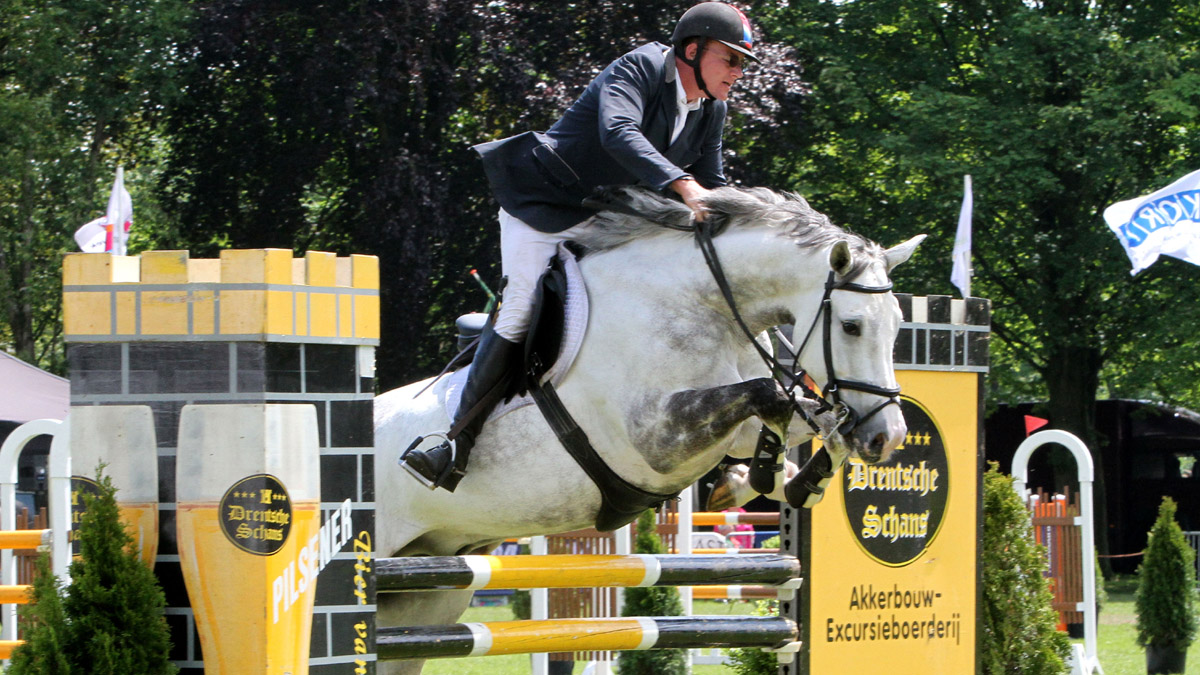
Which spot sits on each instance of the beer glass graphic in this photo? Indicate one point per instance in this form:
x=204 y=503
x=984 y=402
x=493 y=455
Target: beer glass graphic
x=123 y=438
x=248 y=485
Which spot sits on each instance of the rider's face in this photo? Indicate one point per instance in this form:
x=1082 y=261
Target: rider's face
x=721 y=67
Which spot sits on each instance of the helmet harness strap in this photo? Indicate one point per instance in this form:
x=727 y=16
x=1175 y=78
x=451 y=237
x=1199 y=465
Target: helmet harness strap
x=694 y=62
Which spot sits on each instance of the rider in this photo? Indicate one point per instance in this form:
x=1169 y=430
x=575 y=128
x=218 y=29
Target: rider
x=654 y=117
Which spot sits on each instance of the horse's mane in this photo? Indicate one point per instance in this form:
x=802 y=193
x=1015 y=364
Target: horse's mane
x=629 y=214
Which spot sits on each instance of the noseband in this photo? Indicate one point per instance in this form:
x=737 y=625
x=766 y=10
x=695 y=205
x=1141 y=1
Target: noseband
x=830 y=398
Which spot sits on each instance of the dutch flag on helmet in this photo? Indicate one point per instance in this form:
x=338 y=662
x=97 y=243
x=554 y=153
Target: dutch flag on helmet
x=747 y=36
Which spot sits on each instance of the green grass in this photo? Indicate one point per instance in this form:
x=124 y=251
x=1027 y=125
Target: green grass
x=1117 y=637
x=1117 y=648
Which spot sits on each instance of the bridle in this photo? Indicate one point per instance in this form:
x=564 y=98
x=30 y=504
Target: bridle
x=834 y=386
x=830 y=397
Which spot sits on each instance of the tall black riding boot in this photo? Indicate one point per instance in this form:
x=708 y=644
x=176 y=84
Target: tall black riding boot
x=445 y=465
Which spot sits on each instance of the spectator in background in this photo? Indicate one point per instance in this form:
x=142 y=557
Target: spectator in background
x=730 y=531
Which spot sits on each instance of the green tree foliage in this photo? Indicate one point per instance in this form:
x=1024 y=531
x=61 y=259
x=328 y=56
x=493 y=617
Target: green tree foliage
x=651 y=601
x=1057 y=109
x=45 y=625
x=109 y=620
x=1019 y=634
x=83 y=84
x=348 y=127
x=1165 y=601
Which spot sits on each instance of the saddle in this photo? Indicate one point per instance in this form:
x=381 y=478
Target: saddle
x=621 y=501
x=558 y=321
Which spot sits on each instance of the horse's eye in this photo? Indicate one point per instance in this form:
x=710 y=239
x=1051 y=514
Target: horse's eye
x=851 y=328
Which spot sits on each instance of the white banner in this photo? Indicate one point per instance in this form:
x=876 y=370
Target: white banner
x=92 y=237
x=1166 y=222
x=120 y=214
x=960 y=273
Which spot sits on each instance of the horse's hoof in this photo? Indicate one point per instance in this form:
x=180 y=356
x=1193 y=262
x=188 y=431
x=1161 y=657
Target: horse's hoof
x=721 y=497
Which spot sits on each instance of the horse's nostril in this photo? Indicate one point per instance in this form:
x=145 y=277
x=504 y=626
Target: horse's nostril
x=878 y=443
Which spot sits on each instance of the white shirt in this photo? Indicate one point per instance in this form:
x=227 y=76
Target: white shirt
x=682 y=108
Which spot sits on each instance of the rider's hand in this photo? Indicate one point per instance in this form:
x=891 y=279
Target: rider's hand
x=693 y=195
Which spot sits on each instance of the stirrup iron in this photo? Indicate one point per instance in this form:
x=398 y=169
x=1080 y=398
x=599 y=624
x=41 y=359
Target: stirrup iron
x=442 y=479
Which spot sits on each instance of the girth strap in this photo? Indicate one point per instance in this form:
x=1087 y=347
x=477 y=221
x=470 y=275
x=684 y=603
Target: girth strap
x=621 y=502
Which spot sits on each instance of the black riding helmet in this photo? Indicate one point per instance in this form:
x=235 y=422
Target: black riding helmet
x=712 y=21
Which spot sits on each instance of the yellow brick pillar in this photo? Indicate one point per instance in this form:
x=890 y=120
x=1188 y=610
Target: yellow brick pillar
x=244 y=341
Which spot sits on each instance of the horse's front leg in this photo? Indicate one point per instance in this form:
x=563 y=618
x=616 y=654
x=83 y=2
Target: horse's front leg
x=781 y=480
x=806 y=488
x=690 y=421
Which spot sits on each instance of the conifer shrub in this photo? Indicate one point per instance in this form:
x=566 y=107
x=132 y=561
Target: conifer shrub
x=109 y=620
x=1019 y=624
x=522 y=605
x=651 y=601
x=1101 y=589
x=45 y=626
x=1165 y=600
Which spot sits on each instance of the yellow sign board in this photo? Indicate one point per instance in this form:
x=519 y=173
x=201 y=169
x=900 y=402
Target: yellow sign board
x=892 y=566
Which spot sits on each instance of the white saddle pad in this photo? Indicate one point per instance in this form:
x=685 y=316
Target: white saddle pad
x=575 y=325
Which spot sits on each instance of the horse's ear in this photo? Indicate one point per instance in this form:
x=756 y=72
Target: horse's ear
x=841 y=261
x=902 y=252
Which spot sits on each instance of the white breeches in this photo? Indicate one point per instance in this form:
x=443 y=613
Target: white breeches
x=524 y=253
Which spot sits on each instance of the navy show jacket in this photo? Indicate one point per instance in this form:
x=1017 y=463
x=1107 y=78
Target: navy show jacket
x=617 y=133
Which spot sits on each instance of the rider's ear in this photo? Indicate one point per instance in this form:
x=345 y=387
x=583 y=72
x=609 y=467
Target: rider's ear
x=902 y=252
x=840 y=258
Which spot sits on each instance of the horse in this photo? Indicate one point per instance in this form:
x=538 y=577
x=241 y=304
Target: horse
x=666 y=382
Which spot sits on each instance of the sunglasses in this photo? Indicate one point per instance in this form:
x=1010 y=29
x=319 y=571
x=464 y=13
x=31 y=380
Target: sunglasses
x=734 y=60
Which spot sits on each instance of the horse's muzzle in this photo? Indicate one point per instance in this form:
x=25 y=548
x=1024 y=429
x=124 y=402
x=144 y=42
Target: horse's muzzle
x=875 y=442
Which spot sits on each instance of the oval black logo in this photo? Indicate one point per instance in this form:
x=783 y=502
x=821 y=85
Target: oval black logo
x=895 y=508
x=256 y=514
x=80 y=485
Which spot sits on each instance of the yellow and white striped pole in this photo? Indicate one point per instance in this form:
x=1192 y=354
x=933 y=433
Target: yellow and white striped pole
x=740 y=592
x=475 y=572
x=574 y=635
x=710 y=518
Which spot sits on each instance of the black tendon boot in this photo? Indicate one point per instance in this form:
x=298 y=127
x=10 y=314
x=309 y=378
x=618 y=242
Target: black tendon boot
x=445 y=465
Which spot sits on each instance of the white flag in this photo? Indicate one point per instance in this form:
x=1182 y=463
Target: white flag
x=1166 y=222
x=120 y=215
x=92 y=236
x=960 y=273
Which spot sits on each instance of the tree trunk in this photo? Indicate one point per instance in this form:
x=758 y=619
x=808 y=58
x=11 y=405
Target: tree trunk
x=18 y=270
x=1072 y=375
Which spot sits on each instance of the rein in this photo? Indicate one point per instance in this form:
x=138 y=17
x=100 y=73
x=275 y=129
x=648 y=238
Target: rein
x=830 y=397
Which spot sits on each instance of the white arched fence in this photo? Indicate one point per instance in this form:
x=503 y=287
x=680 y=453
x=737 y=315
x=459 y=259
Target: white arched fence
x=1084 y=660
x=59 y=489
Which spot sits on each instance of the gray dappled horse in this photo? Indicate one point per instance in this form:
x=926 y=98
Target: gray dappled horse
x=665 y=384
